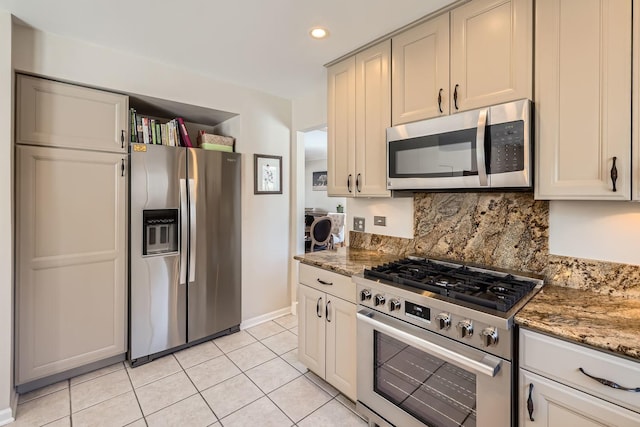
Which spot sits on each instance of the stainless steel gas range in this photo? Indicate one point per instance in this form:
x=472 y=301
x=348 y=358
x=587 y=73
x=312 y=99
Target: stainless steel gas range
x=436 y=344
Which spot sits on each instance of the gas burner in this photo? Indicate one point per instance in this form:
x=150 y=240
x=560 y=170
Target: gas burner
x=478 y=287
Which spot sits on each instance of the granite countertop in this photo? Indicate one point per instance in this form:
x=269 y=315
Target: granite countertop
x=345 y=260
x=604 y=322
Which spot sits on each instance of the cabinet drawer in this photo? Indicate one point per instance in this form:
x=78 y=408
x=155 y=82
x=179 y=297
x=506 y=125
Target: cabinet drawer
x=556 y=405
x=560 y=360
x=328 y=281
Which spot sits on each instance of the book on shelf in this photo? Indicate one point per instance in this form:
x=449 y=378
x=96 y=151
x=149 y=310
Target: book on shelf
x=148 y=130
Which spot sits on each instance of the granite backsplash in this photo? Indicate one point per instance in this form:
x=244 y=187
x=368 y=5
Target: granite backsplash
x=504 y=230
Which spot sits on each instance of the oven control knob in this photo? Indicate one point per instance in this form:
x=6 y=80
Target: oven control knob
x=379 y=300
x=394 y=304
x=465 y=328
x=489 y=336
x=365 y=295
x=444 y=320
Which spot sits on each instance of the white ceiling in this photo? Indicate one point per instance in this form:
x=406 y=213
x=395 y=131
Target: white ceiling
x=261 y=44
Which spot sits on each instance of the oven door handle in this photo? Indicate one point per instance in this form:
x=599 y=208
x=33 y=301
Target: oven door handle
x=489 y=365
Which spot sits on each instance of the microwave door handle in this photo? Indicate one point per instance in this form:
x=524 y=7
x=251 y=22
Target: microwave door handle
x=489 y=365
x=183 y=231
x=480 y=148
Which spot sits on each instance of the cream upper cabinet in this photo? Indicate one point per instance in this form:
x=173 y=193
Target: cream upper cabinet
x=70 y=259
x=341 y=127
x=359 y=111
x=491 y=53
x=420 y=71
x=583 y=98
x=62 y=115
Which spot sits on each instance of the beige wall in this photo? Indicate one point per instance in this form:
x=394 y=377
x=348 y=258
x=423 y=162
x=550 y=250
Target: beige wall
x=6 y=220
x=263 y=126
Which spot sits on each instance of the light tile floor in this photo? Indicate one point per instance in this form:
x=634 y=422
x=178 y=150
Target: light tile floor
x=250 y=378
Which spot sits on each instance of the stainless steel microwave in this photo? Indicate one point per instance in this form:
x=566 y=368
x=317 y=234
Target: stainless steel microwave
x=488 y=148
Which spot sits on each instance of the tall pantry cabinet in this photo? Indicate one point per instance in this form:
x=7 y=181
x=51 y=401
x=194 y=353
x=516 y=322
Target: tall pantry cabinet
x=71 y=171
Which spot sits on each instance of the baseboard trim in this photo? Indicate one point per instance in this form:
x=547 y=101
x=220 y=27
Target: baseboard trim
x=7 y=416
x=249 y=323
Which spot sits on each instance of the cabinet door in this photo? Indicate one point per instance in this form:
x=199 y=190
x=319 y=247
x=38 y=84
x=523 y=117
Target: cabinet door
x=583 y=98
x=341 y=119
x=63 y=115
x=373 y=117
x=341 y=345
x=420 y=71
x=557 y=405
x=71 y=255
x=311 y=329
x=491 y=53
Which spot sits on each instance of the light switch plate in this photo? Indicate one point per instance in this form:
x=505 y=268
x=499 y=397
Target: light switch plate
x=380 y=220
x=358 y=223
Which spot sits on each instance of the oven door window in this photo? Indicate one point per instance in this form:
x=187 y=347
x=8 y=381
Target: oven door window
x=434 y=156
x=435 y=392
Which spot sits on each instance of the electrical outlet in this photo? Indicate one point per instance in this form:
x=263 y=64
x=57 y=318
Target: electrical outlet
x=380 y=220
x=358 y=223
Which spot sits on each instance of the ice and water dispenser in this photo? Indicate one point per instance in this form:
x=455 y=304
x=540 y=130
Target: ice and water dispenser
x=160 y=231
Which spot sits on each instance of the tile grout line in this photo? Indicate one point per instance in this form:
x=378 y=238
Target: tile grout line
x=135 y=394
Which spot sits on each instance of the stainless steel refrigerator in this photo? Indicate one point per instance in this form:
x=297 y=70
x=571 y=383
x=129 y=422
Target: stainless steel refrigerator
x=184 y=248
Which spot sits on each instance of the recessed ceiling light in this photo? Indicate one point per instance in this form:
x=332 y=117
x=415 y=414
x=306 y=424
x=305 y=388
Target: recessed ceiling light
x=319 y=33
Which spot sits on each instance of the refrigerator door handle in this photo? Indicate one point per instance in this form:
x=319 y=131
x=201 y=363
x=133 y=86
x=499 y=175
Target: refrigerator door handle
x=183 y=231
x=192 y=230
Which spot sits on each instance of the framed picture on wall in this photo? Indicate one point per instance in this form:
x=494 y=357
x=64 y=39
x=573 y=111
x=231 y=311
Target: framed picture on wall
x=267 y=171
x=319 y=181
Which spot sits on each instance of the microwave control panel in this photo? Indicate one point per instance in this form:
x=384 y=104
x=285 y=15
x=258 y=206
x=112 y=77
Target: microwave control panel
x=507 y=147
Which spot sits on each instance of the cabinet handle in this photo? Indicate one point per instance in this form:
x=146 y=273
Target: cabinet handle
x=318 y=309
x=530 y=402
x=327 y=309
x=122 y=168
x=611 y=383
x=614 y=173
x=358 y=182
x=122 y=139
x=349 y=183
x=455 y=96
x=324 y=283
x=440 y=101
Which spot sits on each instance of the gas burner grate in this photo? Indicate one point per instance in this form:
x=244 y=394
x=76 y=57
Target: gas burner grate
x=491 y=290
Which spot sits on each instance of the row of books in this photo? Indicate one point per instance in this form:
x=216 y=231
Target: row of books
x=146 y=130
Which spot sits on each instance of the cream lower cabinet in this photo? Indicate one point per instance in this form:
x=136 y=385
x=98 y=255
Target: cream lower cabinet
x=71 y=259
x=359 y=111
x=327 y=328
x=583 y=99
x=558 y=394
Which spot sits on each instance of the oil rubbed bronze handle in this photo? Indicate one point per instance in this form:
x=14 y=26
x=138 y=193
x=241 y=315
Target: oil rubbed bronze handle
x=349 y=183
x=455 y=96
x=327 y=310
x=322 y=282
x=530 y=403
x=440 y=100
x=318 y=310
x=358 y=182
x=614 y=173
x=122 y=139
x=611 y=383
